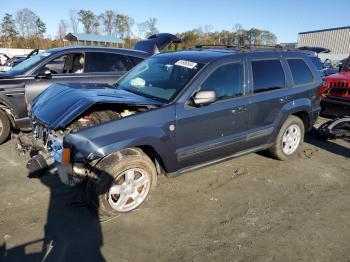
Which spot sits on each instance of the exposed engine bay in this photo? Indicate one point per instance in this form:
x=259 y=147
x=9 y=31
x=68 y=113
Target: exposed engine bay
x=45 y=146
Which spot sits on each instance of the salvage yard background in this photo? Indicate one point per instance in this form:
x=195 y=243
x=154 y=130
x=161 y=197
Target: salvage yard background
x=251 y=208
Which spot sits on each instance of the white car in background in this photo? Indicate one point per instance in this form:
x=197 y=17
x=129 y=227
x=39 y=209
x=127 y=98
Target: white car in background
x=3 y=58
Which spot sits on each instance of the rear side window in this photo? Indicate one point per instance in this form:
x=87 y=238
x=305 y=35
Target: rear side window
x=226 y=81
x=316 y=61
x=107 y=62
x=136 y=60
x=300 y=71
x=267 y=75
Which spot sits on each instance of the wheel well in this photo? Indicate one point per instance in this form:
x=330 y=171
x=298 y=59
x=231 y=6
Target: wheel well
x=304 y=116
x=9 y=114
x=155 y=157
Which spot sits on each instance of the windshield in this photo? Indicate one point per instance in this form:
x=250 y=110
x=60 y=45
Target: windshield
x=28 y=63
x=160 y=78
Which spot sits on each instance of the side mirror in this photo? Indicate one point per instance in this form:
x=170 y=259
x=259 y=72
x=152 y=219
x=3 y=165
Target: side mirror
x=204 y=97
x=46 y=74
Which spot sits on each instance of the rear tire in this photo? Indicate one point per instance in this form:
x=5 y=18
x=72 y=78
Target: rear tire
x=5 y=127
x=125 y=180
x=289 y=139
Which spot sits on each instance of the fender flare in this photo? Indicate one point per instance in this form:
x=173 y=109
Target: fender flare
x=7 y=108
x=86 y=150
x=293 y=107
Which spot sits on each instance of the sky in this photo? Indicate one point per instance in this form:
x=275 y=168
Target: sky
x=284 y=18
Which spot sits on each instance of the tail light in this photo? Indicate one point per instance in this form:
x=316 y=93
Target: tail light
x=321 y=90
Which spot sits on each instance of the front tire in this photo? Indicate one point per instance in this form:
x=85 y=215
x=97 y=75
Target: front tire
x=125 y=180
x=289 y=139
x=5 y=127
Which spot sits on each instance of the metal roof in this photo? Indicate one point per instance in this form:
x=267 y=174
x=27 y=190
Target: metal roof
x=93 y=38
x=324 y=30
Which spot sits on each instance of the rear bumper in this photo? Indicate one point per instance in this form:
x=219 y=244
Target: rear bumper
x=335 y=101
x=335 y=107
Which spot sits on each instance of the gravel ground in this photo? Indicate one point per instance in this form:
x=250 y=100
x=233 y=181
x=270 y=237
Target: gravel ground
x=251 y=208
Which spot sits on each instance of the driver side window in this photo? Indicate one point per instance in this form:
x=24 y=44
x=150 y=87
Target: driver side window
x=66 y=64
x=226 y=81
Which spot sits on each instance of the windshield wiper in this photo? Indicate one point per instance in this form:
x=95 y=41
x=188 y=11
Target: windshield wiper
x=145 y=95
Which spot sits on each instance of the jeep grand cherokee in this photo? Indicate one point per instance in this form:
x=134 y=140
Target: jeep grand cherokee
x=172 y=113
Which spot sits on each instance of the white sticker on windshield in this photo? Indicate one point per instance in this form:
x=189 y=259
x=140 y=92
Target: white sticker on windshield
x=187 y=64
x=137 y=82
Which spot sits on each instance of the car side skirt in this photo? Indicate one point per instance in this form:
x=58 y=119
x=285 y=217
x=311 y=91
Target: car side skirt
x=216 y=161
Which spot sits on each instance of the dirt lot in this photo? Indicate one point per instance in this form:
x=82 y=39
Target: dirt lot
x=251 y=208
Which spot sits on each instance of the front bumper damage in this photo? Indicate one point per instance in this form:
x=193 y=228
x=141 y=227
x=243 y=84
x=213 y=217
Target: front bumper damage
x=44 y=149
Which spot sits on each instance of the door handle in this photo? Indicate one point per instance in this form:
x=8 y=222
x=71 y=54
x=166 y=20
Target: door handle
x=285 y=99
x=239 y=109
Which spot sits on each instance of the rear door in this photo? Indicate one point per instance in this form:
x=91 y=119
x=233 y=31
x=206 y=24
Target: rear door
x=214 y=131
x=305 y=81
x=270 y=91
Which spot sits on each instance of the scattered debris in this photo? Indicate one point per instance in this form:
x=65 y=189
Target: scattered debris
x=240 y=172
x=309 y=152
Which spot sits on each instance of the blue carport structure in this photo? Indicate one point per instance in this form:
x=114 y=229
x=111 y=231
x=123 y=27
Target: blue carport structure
x=92 y=39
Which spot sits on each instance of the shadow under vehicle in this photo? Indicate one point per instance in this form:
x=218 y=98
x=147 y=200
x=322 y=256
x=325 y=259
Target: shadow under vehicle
x=72 y=231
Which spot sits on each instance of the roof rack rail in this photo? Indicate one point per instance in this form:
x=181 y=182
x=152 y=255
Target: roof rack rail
x=240 y=48
x=250 y=48
x=203 y=46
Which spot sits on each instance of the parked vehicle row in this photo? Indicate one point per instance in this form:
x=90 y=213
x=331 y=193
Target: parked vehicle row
x=172 y=113
x=336 y=104
x=8 y=62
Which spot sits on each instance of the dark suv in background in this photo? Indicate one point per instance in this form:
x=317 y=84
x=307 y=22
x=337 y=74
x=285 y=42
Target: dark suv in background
x=172 y=113
x=71 y=64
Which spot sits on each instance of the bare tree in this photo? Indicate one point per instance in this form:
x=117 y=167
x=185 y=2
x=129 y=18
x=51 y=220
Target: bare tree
x=62 y=29
x=107 y=19
x=74 y=20
x=123 y=25
x=207 y=29
x=268 y=38
x=129 y=24
x=141 y=29
x=151 y=26
x=26 y=22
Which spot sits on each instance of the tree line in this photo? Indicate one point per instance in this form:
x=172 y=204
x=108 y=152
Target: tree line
x=25 y=29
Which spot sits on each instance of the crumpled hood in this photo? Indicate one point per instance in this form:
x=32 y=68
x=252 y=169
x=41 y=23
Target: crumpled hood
x=60 y=104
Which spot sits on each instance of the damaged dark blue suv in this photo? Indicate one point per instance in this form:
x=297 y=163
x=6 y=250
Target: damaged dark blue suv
x=172 y=113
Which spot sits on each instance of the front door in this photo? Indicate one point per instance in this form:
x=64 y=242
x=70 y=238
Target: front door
x=210 y=132
x=65 y=68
